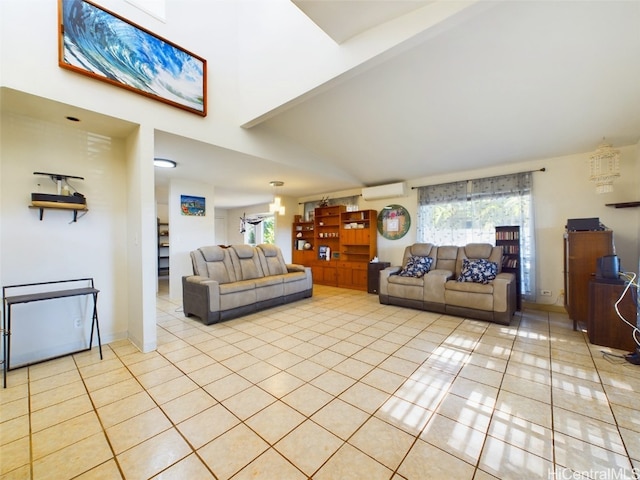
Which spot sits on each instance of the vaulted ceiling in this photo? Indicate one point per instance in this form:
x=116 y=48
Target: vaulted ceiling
x=507 y=82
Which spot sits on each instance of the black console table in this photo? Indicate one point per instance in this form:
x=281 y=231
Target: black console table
x=75 y=291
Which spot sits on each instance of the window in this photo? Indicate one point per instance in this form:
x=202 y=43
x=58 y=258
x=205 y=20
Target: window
x=261 y=232
x=464 y=212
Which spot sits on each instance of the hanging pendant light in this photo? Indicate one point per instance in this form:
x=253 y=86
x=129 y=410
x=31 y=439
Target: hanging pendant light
x=276 y=207
x=604 y=167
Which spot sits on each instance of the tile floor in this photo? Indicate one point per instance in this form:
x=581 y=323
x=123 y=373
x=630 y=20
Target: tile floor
x=332 y=387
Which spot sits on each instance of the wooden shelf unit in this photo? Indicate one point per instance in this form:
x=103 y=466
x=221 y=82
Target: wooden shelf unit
x=302 y=233
x=349 y=237
x=509 y=238
x=163 y=248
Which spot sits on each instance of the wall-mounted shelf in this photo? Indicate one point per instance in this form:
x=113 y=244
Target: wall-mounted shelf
x=623 y=205
x=75 y=209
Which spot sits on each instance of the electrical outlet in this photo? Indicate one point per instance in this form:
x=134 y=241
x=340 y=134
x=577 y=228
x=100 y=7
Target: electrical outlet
x=77 y=322
x=545 y=293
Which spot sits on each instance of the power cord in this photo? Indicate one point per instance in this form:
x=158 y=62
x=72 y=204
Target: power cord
x=630 y=279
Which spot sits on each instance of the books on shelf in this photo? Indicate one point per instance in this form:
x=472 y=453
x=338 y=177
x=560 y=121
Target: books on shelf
x=507 y=235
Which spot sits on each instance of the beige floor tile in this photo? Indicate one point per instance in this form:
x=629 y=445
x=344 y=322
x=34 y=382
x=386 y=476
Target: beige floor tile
x=280 y=384
x=190 y=467
x=383 y=380
x=427 y=461
x=455 y=438
x=154 y=455
x=466 y=411
x=54 y=381
x=308 y=370
x=14 y=455
x=405 y=415
x=207 y=425
x=364 y=397
x=383 y=442
x=210 y=374
x=179 y=354
x=73 y=459
x=594 y=406
x=270 y=465
x=421 y=394
x=188 y=405
x=57 y=395
x=100 y=368
x=14 y=409
x=105 y=471
x=510 y=405
x=227 y=387
x=581 y=456
x=51 y=368
x=60 y=412
x=121 y=410
x=172 y=389
x=340 y=418
x=159 y=376
x=196 y=362
x=333 y=382
x=587 y=429
x=349 y=463
x=110 y=378
x=248 y=402
x=308 y=446
x=525 y=435
x=14 y=429
x=64 y=434
x=137 y=429
x=231 y=452
x=275 y=421
x=117 y=391
x=307 y=399
x=508 y=462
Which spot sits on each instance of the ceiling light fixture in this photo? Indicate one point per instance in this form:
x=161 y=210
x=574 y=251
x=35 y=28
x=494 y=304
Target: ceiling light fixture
x=276 y=206
x=164 y=163
x=604 y=167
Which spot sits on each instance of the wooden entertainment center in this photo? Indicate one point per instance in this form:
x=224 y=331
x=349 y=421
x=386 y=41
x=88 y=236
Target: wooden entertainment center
x=337 y=244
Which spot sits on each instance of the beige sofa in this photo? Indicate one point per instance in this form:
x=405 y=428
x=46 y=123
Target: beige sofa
x=440 y=290
x=232 y=281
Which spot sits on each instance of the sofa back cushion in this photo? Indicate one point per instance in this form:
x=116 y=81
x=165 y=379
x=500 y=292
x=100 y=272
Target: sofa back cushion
x=246 y=262
x=419 y=250
x=476 y=251
x=271 y=259
x=213 y=262
x=446 y=259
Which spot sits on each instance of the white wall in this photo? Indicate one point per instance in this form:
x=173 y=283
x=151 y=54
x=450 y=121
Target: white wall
x=187 y=233
x=57 y=248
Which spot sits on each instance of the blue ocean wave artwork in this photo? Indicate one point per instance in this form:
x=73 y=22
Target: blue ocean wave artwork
x=104 y=45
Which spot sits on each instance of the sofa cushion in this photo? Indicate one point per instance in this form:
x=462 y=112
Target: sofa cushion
x=478 y=271
x=416 y=266
x=246 y=262
x=271 y=259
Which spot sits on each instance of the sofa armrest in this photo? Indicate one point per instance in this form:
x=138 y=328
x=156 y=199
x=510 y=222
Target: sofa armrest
x=200 y=296
x=295 y=267
x=504 y=292
x=383 y=288
x=434 y=285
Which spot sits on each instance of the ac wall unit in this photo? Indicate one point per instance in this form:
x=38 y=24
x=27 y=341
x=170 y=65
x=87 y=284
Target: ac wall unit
x=385 y=191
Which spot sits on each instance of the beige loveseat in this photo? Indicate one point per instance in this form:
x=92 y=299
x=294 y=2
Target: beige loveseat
x=458 y=282
x=232 y=281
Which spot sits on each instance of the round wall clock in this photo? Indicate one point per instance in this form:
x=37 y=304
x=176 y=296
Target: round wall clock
x=393 y=222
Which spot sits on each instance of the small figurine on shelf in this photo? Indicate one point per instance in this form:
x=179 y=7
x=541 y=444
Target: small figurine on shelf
x=324 y=202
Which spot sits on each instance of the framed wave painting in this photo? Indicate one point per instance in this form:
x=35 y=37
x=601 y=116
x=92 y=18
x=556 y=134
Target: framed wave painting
x=96 y=42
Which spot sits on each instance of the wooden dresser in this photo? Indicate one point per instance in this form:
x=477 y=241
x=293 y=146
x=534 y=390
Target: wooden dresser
x=581 y=251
